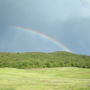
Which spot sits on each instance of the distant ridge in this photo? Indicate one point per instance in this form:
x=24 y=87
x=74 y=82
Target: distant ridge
x=43 y=60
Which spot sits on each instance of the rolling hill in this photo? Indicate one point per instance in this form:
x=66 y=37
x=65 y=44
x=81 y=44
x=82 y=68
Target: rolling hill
x=42 y=60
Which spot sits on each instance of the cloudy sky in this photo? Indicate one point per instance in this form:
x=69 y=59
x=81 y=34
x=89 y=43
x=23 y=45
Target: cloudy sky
x=67 y=21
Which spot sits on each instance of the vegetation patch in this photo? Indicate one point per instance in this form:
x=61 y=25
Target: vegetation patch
x=43 y=60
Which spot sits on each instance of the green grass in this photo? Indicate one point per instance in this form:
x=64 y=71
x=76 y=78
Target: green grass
x=64 y=78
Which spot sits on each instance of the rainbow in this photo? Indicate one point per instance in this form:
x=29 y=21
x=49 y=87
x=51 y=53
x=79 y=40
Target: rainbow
x=61 y=45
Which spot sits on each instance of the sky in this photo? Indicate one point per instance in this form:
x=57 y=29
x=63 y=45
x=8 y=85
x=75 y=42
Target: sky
x=67 y=21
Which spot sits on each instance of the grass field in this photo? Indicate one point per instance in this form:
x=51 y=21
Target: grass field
x=65 y=78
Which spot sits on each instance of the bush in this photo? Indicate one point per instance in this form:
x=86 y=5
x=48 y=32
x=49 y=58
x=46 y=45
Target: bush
x=43 y=60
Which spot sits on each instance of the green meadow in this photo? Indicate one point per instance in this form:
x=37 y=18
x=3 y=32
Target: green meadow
x=44 y=71
x=64 y=78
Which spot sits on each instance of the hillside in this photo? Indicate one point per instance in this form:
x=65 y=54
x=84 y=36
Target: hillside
x=42 y=60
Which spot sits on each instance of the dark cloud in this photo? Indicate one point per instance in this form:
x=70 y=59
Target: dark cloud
x=66 y=21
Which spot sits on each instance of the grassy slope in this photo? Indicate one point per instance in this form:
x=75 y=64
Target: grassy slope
x=39 y=60
x=45 y=79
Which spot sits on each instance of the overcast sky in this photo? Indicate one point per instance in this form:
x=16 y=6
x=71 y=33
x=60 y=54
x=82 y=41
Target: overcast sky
x=67 y=21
